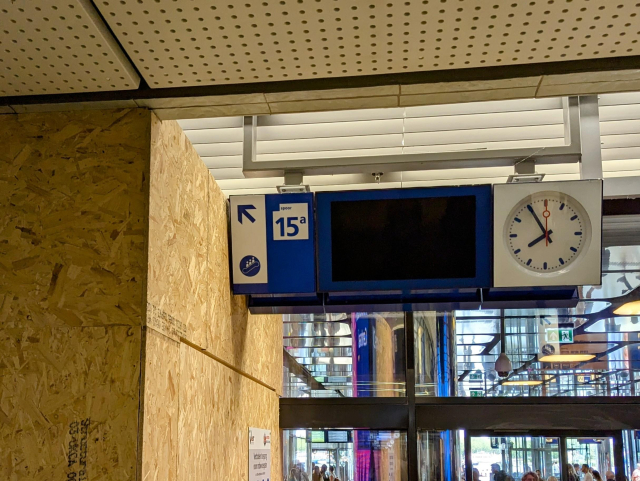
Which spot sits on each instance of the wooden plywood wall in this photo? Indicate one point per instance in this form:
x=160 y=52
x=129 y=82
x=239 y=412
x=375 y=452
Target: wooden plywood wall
x=230 y=362
x=217 y=407
x=189 y=293
x=114 y=290
x=73 y=202
x=252 y=343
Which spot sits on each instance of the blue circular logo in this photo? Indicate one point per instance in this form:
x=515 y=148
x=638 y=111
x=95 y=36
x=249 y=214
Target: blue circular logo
x=249 y=266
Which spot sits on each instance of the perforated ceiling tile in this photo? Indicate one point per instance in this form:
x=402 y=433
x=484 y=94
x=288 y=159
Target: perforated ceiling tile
x=177 y=43
x=58 y=46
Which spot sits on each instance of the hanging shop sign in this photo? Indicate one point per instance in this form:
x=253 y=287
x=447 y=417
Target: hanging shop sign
x=272 y=244
x=259 y=454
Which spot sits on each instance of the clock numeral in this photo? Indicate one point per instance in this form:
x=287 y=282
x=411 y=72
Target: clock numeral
x=561 y=261
x=574 y=217
x=574 y=249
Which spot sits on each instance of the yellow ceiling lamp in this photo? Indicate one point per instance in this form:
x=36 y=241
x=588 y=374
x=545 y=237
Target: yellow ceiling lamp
x=629 y=309
x=566 y=357
x=522 y=382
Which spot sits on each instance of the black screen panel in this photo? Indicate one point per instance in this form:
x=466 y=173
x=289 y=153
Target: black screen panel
x=403 y=239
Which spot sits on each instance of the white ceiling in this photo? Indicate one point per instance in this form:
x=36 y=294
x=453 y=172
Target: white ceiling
x=442 y=128
x=179 y=43
x=78 y=46
x=50 y=47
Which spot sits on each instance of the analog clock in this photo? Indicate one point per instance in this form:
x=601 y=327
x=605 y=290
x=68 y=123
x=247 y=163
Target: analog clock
x=547 y=232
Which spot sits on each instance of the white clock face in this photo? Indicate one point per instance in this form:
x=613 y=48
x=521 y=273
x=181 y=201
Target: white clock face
x=547 y=232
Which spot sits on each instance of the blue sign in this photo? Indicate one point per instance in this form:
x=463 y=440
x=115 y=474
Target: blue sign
x=404 y=239
x=250 y=265
x=273 y=244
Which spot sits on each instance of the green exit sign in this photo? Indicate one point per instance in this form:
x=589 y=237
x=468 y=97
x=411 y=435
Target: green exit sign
x=561 y=336
x=476 y=376
x=477 y=393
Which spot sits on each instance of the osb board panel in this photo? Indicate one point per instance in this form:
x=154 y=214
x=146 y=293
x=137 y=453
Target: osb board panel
x=73 y=190
x=217 y=407
x=252 y=344
x=177 y=281
x=69 y=402
x=159 y=457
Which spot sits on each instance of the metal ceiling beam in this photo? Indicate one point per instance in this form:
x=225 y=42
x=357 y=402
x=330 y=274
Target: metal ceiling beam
x=571 y=152
x=406 y=78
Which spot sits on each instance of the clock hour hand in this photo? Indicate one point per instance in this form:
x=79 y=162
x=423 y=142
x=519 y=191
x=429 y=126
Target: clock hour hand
x=541 y=238
x=535 y=216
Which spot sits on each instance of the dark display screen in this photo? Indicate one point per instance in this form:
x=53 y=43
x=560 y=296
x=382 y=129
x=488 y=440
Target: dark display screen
x=398 y=239
x=338 y=436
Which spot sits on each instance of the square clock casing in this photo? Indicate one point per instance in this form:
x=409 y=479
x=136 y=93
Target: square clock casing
x=547 y=234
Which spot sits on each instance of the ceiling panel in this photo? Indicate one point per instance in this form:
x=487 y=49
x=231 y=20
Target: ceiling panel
x=201 y=42
x=56 y=46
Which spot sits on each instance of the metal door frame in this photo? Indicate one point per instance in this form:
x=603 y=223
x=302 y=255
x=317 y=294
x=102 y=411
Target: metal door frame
x=562 y=435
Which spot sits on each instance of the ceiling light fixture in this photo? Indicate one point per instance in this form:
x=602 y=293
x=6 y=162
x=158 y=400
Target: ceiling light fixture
x=566 y=357
x=629 y=309
x=522 y=382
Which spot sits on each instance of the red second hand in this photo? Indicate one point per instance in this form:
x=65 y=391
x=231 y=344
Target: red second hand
x=546 y=215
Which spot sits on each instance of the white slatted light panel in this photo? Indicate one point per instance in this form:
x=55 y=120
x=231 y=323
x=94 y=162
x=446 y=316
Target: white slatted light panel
x=620 y=134
x=55 y=46
x=495 y=125
x=202 y=42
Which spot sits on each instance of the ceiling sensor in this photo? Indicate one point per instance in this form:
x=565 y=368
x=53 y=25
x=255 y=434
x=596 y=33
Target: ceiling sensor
x=524 y=178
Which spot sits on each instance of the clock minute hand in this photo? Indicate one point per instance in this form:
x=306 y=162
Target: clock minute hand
x=541 y=238
x=535 y=216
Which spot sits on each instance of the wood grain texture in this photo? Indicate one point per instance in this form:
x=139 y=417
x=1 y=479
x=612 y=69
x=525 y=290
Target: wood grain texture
x=251 y=343
x=161 y=377
x=53 y=379
x=73 y=190
x=217 y=407
x=178 y=232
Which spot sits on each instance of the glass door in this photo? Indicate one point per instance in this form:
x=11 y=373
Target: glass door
x=589 y=454
x=508 y=458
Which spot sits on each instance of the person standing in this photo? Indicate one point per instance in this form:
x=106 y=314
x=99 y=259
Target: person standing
x=578 y=471
x=497 y=473
x=571 y=473
x=316 y=476
x=587 y=473
x=332 y=474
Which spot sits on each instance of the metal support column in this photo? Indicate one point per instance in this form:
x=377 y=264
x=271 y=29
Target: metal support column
x=591 y=163
x=468 y=460
x=249 y=140
x=618 y=456
x=564 y=459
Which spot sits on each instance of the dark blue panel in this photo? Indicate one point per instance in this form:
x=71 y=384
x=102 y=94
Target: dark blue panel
x=291 y=263
x=484 y=236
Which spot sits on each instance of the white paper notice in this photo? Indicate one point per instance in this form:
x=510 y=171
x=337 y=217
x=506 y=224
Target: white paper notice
x=259 y=454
